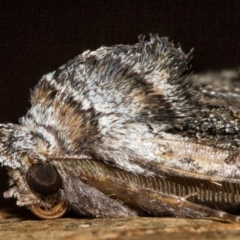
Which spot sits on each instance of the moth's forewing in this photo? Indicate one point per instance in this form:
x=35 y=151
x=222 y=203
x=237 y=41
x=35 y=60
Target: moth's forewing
x=188 y=159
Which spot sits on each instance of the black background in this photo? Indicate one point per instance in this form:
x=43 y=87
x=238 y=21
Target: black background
x=39 y=36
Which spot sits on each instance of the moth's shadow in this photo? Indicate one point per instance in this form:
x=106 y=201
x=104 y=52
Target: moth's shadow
x=18 y=213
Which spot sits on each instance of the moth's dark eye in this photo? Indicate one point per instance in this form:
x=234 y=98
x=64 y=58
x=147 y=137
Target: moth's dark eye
x=43 y=178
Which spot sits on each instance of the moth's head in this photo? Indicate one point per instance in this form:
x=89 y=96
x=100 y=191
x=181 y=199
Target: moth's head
x=33 y=180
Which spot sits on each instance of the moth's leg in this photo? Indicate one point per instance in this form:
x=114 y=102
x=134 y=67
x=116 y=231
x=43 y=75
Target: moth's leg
x=209 y=212
x=185 y=208
x=86 y=200
x=161 y=204
x=190 y=195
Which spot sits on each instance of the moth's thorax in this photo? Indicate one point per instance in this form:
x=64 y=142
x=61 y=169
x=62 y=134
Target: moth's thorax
x=96 y=95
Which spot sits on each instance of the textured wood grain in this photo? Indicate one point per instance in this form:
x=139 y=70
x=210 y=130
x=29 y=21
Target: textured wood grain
x=16 y=223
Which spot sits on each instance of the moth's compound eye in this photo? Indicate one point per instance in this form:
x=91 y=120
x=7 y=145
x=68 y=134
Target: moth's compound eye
x=43 y=178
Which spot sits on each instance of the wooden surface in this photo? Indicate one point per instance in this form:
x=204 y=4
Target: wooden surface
x=18 y=223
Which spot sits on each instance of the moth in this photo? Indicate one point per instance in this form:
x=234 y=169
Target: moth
x=126 y=131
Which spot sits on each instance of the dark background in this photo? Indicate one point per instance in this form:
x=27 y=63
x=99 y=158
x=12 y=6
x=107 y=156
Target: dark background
x=39 y=36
